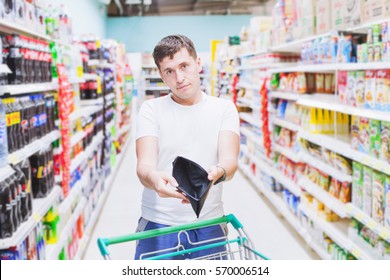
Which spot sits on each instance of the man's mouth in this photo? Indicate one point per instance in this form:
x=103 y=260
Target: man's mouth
x=181 y=87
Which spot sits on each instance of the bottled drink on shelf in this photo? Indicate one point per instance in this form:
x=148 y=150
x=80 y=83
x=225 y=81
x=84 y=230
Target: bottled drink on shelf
x=3 y=136
x=7 y=226
x=26 y=195
x=15 y=214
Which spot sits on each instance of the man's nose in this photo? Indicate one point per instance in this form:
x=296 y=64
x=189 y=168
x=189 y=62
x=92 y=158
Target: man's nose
x=179 y=77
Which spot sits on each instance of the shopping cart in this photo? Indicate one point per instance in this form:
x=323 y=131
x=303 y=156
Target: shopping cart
x=240 y=247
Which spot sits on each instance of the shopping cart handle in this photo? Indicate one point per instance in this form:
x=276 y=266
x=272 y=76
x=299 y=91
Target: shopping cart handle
x=104 y=242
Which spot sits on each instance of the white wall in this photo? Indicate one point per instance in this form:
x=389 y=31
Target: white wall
x=88 y=16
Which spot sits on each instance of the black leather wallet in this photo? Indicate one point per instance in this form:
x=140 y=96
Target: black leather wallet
x=193 y=182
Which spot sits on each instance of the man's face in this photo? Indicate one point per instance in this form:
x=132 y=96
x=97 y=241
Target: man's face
x=181 y=74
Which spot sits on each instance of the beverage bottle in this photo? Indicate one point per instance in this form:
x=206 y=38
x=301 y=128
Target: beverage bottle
x=3 y=136
x=7 y=226
x=34 y=121
x=28 y=64
x=18 y=124
x=15 y=215
x=26 y=196
x=33 y=61
x=8 y=124
x=31 y=113
x=51 y=178
x=25 y=166
x=15 y=60
x=3 y=76
x=18 y=188
x=24 y=120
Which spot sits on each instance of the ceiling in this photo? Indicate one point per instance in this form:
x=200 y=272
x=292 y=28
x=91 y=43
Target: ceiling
x=123 y=8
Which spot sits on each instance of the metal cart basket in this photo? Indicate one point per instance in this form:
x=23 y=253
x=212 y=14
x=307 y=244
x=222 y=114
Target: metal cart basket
x=240 y=248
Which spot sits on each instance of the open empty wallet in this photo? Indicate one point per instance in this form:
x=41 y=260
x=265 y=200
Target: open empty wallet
x=193 y=181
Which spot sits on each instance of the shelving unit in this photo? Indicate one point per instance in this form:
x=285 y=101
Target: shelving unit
x=28 y=88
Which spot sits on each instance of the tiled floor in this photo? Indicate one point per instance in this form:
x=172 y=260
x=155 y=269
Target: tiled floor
x=271 y=235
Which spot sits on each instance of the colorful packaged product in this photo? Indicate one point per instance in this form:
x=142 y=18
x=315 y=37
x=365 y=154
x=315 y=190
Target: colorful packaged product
x=359 y=89
x=342 y=86
x=364 y=135
x=387 y=203
x=370 y=89
x=345 y=192
x=375 y=137
x=385 y=134
x=370 y=52
x=367 y=190
x=378 y=192
x=382 y=89
x=378 y=52
x=357 y=184
x=351 y=85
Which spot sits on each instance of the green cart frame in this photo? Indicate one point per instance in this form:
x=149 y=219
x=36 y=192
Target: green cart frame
x=240 y=248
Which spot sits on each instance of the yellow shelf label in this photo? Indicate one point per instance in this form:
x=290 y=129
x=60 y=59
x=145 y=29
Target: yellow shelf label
x=371 y=224
x=99 y=85
x=384 y=233
x=80 y=71
x=357 y=253
x=37 y=217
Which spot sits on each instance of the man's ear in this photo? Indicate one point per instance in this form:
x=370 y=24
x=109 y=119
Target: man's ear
x=199 y=64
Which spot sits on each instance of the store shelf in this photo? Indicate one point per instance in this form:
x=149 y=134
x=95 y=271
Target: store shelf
x=331 y=102
x=4 y=69
x=109 y=97
x=149 y=66
x=40 y=208
x=362 y=217
x=91 y=102
x=5 y=172
x=28 y=88
x=267 y=65
x=277 y=201
x=249 y=118
x=157 y=88
x=152 y=77
x=255 y=52
x=101 y=63
x=97 y=139
x=285 y=95
x=331 y=202
x=88 y=76
x=74 y=192
x=250 y=135
x=12 y=27
x=249 y=86
x=33 y=147
x=341 y=145
x=52 y=251
x=363 y=28
x=296 y=45
x=77 y=161
x=286 y=124
x=76 y=80
x=83 y=112
x=337 y=231
x=286 y=182
x=77 y=138
x=330 y=170
x=289 y=153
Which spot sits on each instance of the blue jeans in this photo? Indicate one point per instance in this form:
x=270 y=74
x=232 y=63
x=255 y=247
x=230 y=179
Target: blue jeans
x=172 y=240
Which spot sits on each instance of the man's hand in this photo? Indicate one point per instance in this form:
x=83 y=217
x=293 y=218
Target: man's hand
x=215 y=172
x=160 y=183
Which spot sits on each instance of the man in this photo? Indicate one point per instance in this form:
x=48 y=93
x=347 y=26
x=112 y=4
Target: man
x=187 y=123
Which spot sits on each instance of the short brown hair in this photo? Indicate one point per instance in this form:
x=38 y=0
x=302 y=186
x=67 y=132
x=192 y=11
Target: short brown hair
x=170 y=45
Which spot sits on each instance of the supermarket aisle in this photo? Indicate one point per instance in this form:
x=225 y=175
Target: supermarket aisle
x=272 y=236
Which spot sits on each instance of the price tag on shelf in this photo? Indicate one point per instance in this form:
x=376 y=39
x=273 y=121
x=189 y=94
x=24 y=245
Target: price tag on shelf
x=385 y=234
x=37 y=217
x=80 y=71
x=13 y=158
x=356 y=252
x=371 y=224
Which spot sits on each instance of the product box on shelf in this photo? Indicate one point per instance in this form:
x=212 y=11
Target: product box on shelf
x=357 y=185
x=353 y=13
x=367 y=190
x=323 y=16
x=382 y=89
x=338 y=17
x=375 y=138
x=370 y=89
x=7 y=10
x=385 y=141
x=378 y=192
x=20 y=12
x=387 y=203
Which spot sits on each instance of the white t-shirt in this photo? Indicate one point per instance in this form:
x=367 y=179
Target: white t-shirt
x=191 y=132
